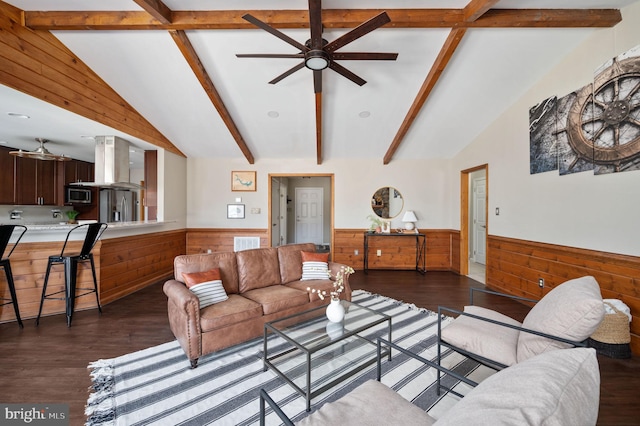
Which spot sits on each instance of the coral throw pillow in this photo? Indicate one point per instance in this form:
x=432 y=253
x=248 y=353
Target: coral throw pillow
x=314 y=266
x=207 y=286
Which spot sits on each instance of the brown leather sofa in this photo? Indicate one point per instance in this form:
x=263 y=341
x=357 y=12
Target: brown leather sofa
x=262 y=284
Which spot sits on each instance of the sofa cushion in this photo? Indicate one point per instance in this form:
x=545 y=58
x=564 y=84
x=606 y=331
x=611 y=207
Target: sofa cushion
x=277 y=298
x=290 y=261
x=371 y=403
x=318 y=285
x=483 y=338
x=258 y=268
x=233 y=310
x=573 y=310
x=560 y=387
x=225 y=262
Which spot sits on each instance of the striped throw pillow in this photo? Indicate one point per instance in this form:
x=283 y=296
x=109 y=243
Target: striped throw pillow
x=207 y=286
x=209 y=292
x=314 y=266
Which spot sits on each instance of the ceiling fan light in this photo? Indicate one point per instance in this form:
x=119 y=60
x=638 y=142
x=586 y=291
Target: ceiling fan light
x=316 y=60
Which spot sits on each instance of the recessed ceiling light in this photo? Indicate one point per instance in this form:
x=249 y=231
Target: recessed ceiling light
x=86 y=137
x=17 y=115
x=273 y=114
x=364 y=114
x=3 y=142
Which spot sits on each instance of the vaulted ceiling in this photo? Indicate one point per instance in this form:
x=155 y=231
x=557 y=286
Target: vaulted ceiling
x=167 y=74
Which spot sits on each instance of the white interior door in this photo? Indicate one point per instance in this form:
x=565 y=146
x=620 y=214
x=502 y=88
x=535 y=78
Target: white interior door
x=479 y=220
x=309 y=207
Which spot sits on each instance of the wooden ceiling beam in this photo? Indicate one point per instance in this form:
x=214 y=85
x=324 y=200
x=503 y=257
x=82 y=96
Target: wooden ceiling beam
x=332 y=18
x=447 y=51
x=477 y=8
x=157 y=9
x=189 y=53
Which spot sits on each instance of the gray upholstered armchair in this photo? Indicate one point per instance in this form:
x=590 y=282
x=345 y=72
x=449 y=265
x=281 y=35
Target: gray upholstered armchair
x=565 y=317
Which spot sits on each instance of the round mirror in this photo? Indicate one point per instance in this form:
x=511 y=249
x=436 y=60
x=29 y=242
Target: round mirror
x=387 y=202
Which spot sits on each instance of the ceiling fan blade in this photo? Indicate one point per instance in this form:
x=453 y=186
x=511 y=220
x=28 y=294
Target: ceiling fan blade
x=346 y=73
x=270 y=55
x=359 y=31
x=317 y=81
x=287 y=73
x=363 y=56
x=258 y=23
x=315 y=23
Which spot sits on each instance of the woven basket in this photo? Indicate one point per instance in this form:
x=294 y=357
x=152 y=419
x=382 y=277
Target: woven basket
x=614 y=328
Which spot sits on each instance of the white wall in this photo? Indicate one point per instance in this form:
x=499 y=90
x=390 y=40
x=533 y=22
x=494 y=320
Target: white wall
x=172 y=197
x=579 y=210
x=425 y=186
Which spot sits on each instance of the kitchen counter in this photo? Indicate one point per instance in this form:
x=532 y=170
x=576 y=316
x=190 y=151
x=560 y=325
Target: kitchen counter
x=38 y=232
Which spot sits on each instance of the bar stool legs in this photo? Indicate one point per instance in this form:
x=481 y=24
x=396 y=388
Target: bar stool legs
x=12 y=289
x=70 y=264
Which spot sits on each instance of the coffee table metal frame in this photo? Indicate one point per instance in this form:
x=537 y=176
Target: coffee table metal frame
x=321 y=342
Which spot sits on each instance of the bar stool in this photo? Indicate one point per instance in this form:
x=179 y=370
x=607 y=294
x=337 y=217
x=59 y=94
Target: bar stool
x=6 y=231
x=70 y=262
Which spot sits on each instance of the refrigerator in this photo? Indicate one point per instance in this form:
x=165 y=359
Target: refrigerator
x=118 y=205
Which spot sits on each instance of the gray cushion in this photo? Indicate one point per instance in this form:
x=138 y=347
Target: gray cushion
x=560 y=387
x=573 y=310
x=483 y=338
x=371 y=403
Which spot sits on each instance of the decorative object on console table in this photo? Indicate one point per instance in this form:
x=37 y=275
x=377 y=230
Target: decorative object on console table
x=409 y=220
x=243 y=181
x=235 y=211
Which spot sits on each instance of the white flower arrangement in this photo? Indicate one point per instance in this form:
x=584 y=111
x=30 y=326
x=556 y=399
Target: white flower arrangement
x=338 y=284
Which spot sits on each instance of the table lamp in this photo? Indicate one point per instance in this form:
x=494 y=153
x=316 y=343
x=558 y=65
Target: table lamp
x=409 y=220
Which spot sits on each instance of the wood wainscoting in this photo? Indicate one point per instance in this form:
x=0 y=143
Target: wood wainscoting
x=514 y=266
x=200 y=240
x=123 y=265
x=128 y=264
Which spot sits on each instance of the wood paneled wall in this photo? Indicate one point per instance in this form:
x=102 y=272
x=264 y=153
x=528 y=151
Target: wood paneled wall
x=397 y=253
x=199 y=240
x=128 y=264
x=123 y=266
x=514 y=266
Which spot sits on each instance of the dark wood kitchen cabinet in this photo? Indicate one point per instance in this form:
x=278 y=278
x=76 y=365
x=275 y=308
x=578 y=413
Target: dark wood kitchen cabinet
x=78 y=171
x=7 y=178
x=35 y=182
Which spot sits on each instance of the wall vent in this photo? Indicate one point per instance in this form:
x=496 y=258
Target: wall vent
x=245 y=243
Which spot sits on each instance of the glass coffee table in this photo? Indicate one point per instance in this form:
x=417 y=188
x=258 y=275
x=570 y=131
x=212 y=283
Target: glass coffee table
x=315 y=354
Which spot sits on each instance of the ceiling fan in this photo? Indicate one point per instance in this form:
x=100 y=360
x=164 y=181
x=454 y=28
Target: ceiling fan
x=319 y=54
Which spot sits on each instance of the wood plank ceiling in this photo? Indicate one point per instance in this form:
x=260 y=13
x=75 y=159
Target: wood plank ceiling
x=156 y=15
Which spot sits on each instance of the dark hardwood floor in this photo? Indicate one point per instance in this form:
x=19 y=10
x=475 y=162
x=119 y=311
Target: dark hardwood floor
x=48 y=364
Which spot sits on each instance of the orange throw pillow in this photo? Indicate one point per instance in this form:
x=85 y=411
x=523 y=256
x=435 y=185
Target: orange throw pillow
x=308 y=256
x=193 y=278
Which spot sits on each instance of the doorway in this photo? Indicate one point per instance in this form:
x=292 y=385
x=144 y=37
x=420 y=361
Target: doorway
x=474 y=222
x=301 y=209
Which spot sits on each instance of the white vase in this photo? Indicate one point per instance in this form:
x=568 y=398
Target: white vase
x=335 y=311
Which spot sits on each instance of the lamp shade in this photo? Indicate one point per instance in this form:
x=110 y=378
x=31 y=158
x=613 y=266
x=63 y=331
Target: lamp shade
x=409 y=218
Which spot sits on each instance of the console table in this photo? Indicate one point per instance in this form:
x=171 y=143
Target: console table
x=421 y=247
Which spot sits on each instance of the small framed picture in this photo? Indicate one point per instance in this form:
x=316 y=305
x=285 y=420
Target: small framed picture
x=235 y=211
x=243 y=181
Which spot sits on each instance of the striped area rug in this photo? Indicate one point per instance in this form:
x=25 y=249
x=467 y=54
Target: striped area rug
x=157 y=386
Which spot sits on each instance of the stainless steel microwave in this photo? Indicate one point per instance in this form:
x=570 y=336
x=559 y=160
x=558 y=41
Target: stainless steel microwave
x=78 y=195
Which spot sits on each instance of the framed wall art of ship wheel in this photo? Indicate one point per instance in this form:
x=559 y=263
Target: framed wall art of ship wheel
x=603 y=124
